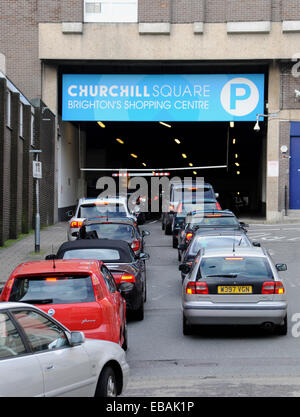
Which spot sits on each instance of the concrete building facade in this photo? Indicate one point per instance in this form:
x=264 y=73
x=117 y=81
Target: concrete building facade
x=210 y=33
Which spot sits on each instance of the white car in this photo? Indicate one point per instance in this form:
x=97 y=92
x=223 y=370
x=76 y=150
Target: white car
x=91 y=208
x=41 y=357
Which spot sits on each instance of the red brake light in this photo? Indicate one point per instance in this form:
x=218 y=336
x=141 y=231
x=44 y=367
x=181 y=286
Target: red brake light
x=196 y=288
x=218 y=207
x=75 y=224
x=124 y=277
x=268 y=287
x=6 y=290
x=279 y=288
x=135 y=245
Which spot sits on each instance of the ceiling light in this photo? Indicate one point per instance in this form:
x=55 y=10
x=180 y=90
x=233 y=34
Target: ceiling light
x=190 y=164
x=237 y=164
x=144 y=165
x=177 y=141
x=237 y=172
x=231 y=124
x=120 y=141
x=184 y=155
x=101 y=124
x=165 y=124
x=195 y=172
x=236 y=156
x=133 y=155
x=233 y=141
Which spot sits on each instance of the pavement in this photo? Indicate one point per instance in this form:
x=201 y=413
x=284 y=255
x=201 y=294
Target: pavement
x=23 y=250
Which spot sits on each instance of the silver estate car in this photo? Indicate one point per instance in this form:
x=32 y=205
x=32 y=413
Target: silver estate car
x=241 y=287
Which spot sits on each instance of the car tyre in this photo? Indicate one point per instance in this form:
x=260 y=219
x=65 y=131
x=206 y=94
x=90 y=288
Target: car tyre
x=282 y=329
x=179 y=256
x=187 y=329
x=107 y=384
x=175 y=242
x=139 y=313
x=168 y=229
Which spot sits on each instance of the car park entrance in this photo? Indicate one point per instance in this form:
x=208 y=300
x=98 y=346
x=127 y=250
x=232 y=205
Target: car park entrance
x=196 y=118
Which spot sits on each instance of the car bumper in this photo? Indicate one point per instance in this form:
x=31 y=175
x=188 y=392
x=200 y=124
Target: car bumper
x=126 y=371
x=235 y=313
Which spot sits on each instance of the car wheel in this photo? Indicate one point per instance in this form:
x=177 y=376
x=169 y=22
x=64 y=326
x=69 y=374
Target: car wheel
x=282 y=329
x=162 y=225
x=168 y=229
x=179 y=256
x=175 y=242
x=187 y=329
x=139 y=313
x=107 y=384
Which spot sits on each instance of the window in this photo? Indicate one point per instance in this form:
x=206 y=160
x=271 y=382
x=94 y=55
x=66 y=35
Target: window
x=8 y=108
x=109 y=280
x=10 y=341
x=101 y=254
x=110 y=11
x=21 y=120
x=42 y=333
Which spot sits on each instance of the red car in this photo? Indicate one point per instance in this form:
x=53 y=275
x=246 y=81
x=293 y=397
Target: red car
x=81 y=294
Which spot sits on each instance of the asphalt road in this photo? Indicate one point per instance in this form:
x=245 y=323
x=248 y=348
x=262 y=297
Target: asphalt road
x=217 y=361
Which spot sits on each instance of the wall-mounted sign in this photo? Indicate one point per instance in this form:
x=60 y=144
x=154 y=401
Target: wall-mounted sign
x=37 y=169
x=163 y=97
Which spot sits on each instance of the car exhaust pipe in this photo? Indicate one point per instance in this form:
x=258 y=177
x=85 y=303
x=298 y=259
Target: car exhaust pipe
x=268 y=325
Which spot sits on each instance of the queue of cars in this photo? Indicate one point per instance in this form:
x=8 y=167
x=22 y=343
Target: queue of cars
x=68 y=313
x=226 y=278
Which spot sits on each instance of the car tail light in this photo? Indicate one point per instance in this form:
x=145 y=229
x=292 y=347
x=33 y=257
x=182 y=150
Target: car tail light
x=75 y=224
x=268 y=287
x=189 y=236
x=6 y=290
x=124 y=277
x=279 y=288
x=136 y=245
x=218 y=207
x=97 y=287
x=197 y=288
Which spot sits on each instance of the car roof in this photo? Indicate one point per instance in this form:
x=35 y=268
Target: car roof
x=97 y=200
x=225 y=213
x=61 y=266
x=11 y=304
x=225 y=251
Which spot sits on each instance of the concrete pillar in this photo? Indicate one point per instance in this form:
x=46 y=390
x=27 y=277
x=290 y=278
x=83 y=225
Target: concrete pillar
x=272 y=209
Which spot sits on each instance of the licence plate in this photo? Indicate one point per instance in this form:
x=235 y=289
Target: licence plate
x=237 y=289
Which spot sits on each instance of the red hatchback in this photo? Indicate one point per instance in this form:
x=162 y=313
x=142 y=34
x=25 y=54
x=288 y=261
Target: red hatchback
x=81 y=294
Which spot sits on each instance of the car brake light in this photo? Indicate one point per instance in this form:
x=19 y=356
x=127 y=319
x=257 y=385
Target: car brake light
x=97 y=287
x=218 y=207
x=124 y=277
x=268 y=287
x=171 y=207
x=75 y=224
x=6 y=290
x=189 y=236
x=135 y=245
x=197 y=288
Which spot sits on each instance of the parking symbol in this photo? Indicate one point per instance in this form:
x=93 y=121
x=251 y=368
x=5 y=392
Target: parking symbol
x=239 y=97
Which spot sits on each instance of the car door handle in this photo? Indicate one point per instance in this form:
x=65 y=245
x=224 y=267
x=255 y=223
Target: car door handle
x=49 y=367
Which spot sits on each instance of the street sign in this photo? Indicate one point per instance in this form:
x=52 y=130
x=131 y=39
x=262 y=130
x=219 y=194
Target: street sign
x=37 y=169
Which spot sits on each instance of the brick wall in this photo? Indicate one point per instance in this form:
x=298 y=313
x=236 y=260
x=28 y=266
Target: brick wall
x=248 y=10
x=187 y=11
x=288 y=85
x=154 y=11
x=290 y=10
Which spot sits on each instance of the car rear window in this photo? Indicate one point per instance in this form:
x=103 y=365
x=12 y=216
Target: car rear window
x=101 y=254
x=101 y=210
x=112 y=231
x=251 y=267
x=186 y=193
x=213 y=220
x=190 y=207
x=53 y=290
x=216 y=242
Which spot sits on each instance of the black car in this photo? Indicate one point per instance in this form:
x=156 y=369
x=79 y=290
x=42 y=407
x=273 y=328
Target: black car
x=182 y=191
x=121 y=261
x=183 y=208
x=213 y=238
x=117 y=229
x=209 y=219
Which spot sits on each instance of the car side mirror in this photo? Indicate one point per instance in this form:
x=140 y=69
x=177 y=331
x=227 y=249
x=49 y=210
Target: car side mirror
x=257 y=244
x=75 y=234
x=76 y=338
x=125 y=287
x=50 y=257
x=144 y=256
x=146 y=233
x=184 y=268
x=281 y=267
x=242 y=224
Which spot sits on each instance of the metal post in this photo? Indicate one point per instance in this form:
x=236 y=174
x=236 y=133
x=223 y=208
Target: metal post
x=37 y=214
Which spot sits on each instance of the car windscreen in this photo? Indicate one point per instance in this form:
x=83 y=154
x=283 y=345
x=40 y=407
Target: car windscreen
x=94 y=210
x=190 y=207
x=213 y=220
x=112 y=231
x=216 y=242
x=53 y=290
x=231 y=266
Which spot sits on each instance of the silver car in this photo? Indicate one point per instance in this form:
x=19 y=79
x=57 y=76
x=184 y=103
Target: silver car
x=91 y=208
x=241 y=286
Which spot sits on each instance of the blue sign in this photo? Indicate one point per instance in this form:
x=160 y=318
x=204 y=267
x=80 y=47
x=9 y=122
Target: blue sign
x=163 y=97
